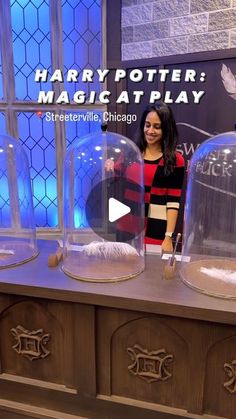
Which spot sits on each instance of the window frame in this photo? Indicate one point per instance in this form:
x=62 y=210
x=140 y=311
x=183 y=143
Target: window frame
x=10 y=106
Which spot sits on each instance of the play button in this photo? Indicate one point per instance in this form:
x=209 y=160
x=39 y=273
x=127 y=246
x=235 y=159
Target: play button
x=117 y=209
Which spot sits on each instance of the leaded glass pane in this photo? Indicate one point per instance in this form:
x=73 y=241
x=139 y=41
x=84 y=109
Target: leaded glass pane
x=31 y=45
x=87 y=122
x=1 y=91
x=5 y=214
x=87 y=167
x=3 y=123
x=81 y=41
x=32 y=50
x=37 y=136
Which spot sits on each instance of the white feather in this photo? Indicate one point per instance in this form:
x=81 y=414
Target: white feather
x=6 y=252
x=108 y=250
x=229 y=81
x=223 y=274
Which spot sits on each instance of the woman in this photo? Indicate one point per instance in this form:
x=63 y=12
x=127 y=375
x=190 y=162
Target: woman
x=163 y=173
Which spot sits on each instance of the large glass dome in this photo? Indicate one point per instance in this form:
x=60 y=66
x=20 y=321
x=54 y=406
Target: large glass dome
x=103 y=208
x=17 y=227
x=210 y=218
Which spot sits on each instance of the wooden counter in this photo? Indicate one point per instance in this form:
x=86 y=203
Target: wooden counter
x=141 y=348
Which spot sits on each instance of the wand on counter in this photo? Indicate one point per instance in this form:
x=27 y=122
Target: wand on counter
x=169 y=268
x=172 y=259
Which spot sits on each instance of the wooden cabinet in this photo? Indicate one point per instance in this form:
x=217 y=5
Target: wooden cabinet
x=168 y=361
x=113 y=350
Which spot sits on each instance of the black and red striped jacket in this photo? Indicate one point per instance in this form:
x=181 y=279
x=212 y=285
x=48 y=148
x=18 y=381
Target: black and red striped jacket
x=161 y=193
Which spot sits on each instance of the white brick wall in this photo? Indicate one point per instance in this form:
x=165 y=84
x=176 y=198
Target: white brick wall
x=152 y=28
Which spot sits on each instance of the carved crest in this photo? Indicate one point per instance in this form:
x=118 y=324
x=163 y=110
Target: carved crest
x=230 y=369
x=149 y=365
x=30 y=344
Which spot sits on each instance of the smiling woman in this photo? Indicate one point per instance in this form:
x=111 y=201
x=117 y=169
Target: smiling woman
x=163 y=173
x=153 y=134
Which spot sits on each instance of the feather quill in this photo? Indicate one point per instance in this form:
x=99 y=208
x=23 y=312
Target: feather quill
x=223 y=274
x=108 y=250
x=229 y=81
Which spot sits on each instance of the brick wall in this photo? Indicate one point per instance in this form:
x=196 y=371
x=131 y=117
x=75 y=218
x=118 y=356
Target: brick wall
x=152 y=28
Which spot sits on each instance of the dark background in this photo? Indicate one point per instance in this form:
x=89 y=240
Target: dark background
x=215 y=114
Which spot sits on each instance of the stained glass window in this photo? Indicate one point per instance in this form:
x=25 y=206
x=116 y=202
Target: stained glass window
x=79 y=128
x=82 y=40
x=2 y=123
x=4 y=200
x=35 y=42
x=31 y=45
x=1 y=91
x=37 y=137
x=4 y=190
x=87 y=168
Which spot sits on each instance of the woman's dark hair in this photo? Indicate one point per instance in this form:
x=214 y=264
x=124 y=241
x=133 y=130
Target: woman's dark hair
x=169 y=134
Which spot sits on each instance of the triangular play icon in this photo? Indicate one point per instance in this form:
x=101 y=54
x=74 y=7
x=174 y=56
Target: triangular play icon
x=117 y=209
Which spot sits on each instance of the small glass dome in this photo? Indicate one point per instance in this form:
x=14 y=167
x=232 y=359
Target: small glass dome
x=210 y=218
x=17 y=227
x=103 y=208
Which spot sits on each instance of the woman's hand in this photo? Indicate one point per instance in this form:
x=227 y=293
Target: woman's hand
x=109 y=165
x=167 y=245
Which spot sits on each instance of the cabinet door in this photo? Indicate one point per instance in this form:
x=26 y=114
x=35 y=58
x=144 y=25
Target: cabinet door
x=47 y=343
x=220 y=378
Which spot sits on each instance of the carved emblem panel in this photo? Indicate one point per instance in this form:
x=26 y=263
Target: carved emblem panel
x=149 y=365
x=41 y=331
x=230 y=369
x=30 y=344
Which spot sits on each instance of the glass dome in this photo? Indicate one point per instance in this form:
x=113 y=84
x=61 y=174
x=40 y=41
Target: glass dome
x=103 y=208
x=210 y=218
x=17 y=228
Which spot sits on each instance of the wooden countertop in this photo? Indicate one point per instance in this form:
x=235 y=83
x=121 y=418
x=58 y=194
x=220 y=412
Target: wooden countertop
x=148 y=292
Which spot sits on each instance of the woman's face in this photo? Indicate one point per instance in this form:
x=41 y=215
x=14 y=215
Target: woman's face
x=152 y=128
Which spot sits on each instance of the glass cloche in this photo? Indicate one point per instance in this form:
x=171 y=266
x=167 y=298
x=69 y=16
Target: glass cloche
x=103 y=208
x=17 y=227
x=210 y=218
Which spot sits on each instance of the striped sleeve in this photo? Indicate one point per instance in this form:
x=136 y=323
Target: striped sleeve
x=175 y=184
